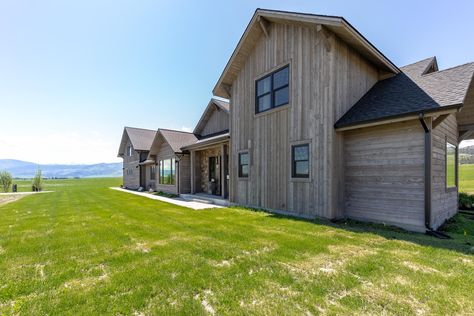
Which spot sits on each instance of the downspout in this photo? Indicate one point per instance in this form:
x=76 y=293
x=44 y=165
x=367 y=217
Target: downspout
x=427 y=130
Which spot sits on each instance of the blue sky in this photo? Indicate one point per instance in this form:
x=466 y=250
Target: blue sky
x=73 y=73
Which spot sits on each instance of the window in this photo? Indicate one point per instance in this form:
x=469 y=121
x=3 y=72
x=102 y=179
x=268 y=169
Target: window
x=152 y=172
x=167 y=171
x=272 y=90
x=129 y=151
x=244 y=165
x=450 y=165
x=300 y=161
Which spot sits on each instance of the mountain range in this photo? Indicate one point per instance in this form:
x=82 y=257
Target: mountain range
x=25 y=169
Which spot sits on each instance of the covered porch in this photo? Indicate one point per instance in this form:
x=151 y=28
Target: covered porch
x=210 y=166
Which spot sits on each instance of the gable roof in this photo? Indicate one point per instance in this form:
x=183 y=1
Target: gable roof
x=213 y=105
x=176 y=140
x=140 y=138
x=412 y=92
x=338 y=25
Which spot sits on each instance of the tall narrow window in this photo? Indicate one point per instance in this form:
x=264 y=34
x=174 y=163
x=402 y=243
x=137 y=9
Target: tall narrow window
x=300 y=161
x=244 y=165
x=272 y=90
x=167 y=171
x=129 y=151
x=450 y=165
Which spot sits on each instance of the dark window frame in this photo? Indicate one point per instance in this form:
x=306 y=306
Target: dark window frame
x=272 y=90
x=172 y=175
x=293 y=162
x=241 y=174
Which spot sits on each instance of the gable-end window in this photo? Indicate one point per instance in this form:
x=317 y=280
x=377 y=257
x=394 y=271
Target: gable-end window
x=167 y=171
x=300 y=161
x=152 y=172
x=129 y=151
x=272 y=90
x=450 y=165
x=244 y=165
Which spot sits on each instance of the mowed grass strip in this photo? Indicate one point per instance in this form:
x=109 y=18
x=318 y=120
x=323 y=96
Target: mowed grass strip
x=86 y=249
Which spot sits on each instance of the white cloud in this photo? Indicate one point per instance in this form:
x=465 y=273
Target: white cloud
x=187 y=129
x=83 y=147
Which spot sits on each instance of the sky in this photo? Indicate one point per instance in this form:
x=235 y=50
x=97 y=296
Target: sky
x=74 y=73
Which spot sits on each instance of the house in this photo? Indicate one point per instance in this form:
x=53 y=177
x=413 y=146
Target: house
x=194 y=162
x=321 y=124
x=134 y=148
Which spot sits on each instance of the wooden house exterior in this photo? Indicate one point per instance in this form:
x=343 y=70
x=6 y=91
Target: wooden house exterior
x=320 y=124
x=134 y=148
x=381 y=161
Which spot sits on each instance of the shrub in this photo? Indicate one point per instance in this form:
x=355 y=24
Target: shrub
x=38 y=181
x=5 y=180
x=466 y=201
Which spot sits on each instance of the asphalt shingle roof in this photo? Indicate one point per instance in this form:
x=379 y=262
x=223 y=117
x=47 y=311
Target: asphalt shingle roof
x=140 y=138
x=178 y=139
x=411 y=92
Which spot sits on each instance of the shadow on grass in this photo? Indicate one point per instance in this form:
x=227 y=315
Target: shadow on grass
x=460 y=228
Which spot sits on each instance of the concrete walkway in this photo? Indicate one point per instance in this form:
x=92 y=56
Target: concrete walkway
x=24 y=193
x=176 y=201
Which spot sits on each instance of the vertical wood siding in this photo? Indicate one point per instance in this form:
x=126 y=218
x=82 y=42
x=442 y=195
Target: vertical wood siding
x=323 y=86
x=217 y=122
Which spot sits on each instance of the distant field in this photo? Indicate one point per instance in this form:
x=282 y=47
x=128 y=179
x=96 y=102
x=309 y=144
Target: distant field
x=466 y=178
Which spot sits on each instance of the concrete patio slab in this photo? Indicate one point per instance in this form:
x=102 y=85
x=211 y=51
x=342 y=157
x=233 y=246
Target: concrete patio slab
x=177 y=201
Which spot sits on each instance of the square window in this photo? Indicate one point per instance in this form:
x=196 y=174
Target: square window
x=272 y=90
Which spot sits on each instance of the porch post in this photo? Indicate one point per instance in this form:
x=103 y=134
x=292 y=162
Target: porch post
x=193 y=162
x=222 y=164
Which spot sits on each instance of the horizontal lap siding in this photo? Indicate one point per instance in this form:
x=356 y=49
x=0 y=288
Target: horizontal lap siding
x=444 y=202
x=384 y=174
x=323 y=86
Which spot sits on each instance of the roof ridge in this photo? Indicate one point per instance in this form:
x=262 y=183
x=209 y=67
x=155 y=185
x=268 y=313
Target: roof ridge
x=143 y=129
x=451 y=68
x=417 y=62
x=174 y=130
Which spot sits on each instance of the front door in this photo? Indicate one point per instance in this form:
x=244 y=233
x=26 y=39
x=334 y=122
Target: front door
x=143 y=177
x=214 y=172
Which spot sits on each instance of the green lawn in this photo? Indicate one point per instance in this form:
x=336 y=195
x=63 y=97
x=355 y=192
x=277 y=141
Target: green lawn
x=466 y=178
x=86 y=249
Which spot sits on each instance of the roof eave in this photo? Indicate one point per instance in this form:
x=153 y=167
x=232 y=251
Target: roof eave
x=399 y=117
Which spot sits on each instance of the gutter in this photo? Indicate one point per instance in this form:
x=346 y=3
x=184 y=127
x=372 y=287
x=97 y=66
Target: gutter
x=428 y=145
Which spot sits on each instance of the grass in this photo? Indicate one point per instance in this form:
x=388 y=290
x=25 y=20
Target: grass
x=466 y=178
x=89 y=250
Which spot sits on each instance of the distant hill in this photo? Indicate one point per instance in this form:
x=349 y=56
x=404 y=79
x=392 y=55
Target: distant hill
x=25 y=169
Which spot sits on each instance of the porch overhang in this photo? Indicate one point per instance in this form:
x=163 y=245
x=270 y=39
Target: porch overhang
x=208 y=142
